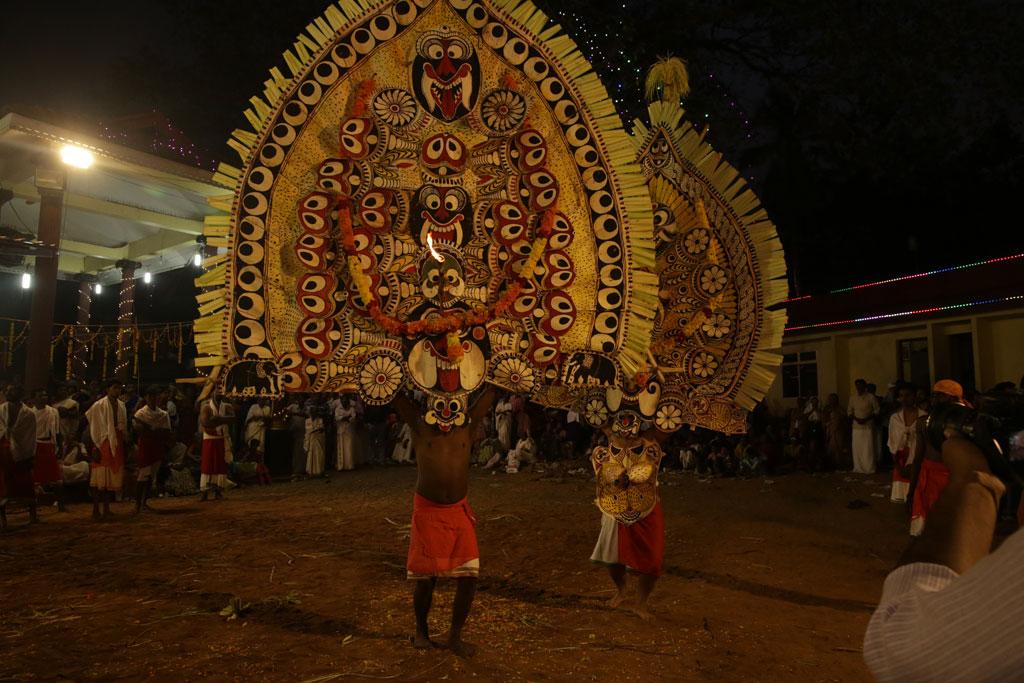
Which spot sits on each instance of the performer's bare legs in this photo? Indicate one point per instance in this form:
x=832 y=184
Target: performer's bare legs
x=422 y=598
x=618 y=574
x=645 y=584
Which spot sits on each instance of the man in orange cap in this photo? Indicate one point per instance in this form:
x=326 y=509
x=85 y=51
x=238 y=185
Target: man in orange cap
x=931 y=476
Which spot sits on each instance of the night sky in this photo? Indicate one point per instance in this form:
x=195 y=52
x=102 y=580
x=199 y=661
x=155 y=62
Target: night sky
x=884 y=138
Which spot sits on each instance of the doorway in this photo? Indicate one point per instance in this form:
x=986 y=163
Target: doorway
x=961 y=360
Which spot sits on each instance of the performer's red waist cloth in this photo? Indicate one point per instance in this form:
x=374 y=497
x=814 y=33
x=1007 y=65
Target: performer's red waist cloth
x=932 y=480
x=442 y=539
x=642 y=544
x=213 y=461
x=151 y=449
x=899 y=462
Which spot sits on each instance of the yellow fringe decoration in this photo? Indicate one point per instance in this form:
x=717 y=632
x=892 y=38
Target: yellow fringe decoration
x=669 y=78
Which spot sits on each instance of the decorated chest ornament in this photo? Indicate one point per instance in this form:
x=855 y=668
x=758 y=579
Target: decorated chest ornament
x=434 y=196
x=626 y=471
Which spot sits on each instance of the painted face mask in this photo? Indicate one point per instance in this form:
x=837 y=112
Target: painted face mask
x=446 y=71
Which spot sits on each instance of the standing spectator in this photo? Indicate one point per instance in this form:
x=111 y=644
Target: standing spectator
x=108 y=430
x=256 y=427
x=503 y=421
x=835 y=432
x=401 y=437
x=168 y=400
x=215 y=418
x=902 y=441
x=863 y=410
x=153 y=426
x=67 y=408
x=344 y=423
x=931 y=476
x=17 y=453
x=314 y=444
x=297 y=429
x=46 y=469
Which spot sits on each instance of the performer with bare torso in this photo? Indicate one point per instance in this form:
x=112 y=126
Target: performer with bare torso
x=442 y=541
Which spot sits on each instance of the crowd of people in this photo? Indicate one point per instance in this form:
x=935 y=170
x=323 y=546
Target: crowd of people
x=163 y=437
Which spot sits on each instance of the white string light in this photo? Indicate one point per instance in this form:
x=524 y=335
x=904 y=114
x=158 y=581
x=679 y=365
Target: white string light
x=147 y=277
x=197 y=260
x=97 y=288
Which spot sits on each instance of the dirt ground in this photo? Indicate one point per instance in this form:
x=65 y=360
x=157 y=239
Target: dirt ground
x=770 y=580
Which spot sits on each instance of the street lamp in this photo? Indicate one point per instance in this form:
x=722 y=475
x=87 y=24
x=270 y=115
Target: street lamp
x=147 y=276
x=77 y=157
x=97 y=288
x=26 y=280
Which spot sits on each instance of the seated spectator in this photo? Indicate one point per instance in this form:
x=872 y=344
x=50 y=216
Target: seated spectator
x=524 y=454
x=75 y=465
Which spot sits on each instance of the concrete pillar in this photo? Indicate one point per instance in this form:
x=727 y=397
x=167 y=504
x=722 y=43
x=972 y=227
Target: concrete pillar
x=50 y=184
x=126 y=319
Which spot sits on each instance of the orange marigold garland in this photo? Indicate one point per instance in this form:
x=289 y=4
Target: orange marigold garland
x=450 y=323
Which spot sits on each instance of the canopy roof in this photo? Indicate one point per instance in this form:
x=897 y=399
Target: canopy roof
x=128 y=205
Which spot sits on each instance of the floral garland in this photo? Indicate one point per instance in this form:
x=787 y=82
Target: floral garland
x=450 y=323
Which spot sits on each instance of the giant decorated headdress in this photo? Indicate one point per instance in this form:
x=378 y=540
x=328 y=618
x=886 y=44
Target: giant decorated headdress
x=439 y=192
x=716 y=345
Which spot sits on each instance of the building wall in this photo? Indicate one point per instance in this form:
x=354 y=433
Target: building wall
x=1000 y=349
x=872 y=352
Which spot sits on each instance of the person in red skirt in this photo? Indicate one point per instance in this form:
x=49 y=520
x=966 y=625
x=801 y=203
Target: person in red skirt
x=47 y=471
x=108 y=430
x=632 y=536
x=153 y=425
x=17 y=453
x=214 y=417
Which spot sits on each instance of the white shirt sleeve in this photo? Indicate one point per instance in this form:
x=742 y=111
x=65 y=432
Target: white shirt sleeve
x=932 y=625
x=895 y=432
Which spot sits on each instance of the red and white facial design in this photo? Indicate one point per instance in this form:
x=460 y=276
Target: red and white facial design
x=507 y=224
x=315 y=213
x=446 y=75
x=379 y=210
x=529 y=151
x=441 y=213
x=539 y=190
x=316 y=253
x=317 y=337
x=358 y=138
x=445 y=412
x=316 y=295
x=444 y=154
x=559 y=313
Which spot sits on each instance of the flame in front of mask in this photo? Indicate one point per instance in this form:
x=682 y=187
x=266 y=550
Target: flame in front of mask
x=433 y=252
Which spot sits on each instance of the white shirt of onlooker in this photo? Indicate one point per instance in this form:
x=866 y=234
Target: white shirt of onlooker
x=934 y=625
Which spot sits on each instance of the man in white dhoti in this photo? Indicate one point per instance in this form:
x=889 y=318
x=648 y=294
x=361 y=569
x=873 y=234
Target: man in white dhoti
x=503 y=422
x=313 y=443
x=403 y=442
x=904 y=427
x=863 y=410
x=108 y=430
x=344 y=423
x=256 y=427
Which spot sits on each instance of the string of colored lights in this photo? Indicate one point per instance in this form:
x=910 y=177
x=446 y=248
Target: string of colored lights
x=905 y=314
x=904 y=278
